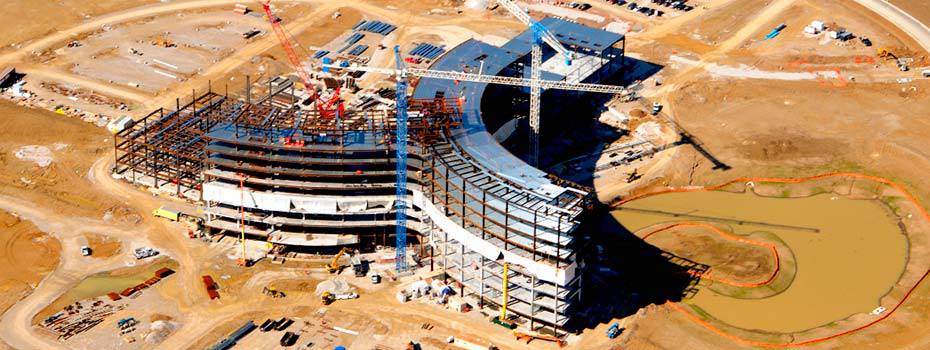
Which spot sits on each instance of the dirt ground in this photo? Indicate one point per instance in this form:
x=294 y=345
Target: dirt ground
x=63 y=183
x=757 y=127
x=103 y=246
x=729 y=259
x=28 y=255
x=26 y=19
x=918 y=8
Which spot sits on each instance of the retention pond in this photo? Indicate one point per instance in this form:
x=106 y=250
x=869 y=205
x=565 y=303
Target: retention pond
x=848 y=253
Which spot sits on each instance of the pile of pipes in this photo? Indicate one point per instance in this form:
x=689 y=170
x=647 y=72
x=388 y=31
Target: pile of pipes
x=79 y=317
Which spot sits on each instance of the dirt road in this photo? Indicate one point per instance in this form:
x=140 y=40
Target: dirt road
x=910 y=25
x=97 y=86
x=73 y=268
x=767 y=15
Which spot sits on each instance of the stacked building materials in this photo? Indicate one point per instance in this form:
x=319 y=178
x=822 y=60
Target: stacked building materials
x=358 y=50
x=376 y=27
x=231 y=340
x=427 y=51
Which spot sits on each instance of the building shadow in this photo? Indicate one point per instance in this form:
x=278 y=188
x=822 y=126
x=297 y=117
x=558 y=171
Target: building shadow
x=625 y=274
x=569 y=128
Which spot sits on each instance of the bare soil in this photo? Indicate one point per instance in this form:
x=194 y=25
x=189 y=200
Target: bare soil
x=920 y=9
x=27 y=19
x=103 y=246
x=27 y=255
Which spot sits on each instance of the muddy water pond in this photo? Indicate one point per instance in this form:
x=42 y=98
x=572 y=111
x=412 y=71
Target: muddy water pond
x=849 y=253
x=100 y=284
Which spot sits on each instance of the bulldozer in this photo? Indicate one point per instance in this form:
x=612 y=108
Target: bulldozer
x=327 y=298
x=334 y=266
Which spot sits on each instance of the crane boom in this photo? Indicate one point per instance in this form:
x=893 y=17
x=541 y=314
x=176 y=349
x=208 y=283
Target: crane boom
x=544 y=34
x=289 y=50
x=488 y=79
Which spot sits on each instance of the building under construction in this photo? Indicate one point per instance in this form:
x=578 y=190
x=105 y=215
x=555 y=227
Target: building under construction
x=306 y=182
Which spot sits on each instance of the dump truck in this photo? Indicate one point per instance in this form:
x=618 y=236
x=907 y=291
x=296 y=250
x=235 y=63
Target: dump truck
x=328 y=298
x=167 y=213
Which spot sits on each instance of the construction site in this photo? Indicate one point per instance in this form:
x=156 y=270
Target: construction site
x=464 y=174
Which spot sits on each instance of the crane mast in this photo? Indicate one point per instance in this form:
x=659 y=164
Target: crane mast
x=540 y=34
x=400 y=204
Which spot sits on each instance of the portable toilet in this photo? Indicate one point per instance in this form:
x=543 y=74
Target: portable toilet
x=339 y=347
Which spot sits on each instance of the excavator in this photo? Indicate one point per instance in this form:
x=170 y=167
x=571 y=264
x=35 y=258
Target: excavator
x=887 y=54
x=334 y=266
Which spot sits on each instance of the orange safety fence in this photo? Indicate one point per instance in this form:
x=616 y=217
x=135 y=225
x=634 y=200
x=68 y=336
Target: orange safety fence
x=705 y=275
x=900 y=189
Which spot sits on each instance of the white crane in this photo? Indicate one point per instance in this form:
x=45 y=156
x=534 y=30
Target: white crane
x=540 y=33
x=535 y=83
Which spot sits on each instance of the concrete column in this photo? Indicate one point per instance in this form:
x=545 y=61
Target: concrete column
x=481 y=286
x=445 y=251
x=532 y=302
x=462 y=269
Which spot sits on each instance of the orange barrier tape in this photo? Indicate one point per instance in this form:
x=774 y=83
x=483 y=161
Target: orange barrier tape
x=904 y=192
x=776 y=259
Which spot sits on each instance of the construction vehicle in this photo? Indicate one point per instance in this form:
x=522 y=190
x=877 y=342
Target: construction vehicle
x=167 y=213
x=614 y=330
x=334 y=265
x=328 y=298
x=633 y=176
x=359 y=267
x=144 y=252
x=85 y=251
x=656 y=108
x=163 y=41
x=887 y=54
x=274 y=293
x=530 y=336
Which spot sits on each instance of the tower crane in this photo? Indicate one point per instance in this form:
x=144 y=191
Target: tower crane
x=540 y=34
x=400 y=204
x=401 y=71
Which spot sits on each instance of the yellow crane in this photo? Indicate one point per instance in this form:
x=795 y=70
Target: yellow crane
x=503 y=316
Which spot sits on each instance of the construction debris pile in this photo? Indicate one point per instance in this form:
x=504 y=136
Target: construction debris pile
x=435 y=291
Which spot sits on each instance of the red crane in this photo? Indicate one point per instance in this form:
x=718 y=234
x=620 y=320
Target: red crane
x=327 y=111
x=289 y=50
